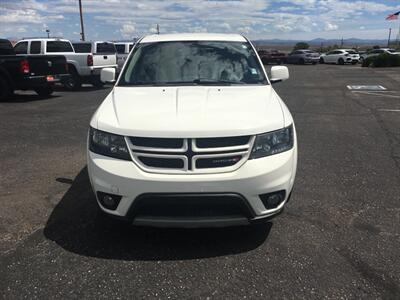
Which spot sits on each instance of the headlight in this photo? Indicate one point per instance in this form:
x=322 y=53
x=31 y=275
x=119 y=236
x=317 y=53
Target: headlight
x=273 y=142
x=108 y=144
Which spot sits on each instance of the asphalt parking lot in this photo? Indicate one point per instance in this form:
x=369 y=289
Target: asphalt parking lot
x=339 y=236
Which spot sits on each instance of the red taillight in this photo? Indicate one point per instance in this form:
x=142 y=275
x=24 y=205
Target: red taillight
x=24 y=66
x=90 y=60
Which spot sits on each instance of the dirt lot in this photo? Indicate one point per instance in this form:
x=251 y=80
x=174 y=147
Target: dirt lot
x=339 y=237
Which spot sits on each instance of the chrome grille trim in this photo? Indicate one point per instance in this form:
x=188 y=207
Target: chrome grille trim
x=219 y=149
x=149 y=168
x=159 y=149
x=189 y=154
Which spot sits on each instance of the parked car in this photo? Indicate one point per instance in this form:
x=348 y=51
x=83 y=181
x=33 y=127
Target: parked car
x=29 y=72
x=123 y=49
x=81 y=66
x=191 y=138
x=340 y=57
x=100 y=55
x=272 y=56
x=302 y=57
x=376 y=52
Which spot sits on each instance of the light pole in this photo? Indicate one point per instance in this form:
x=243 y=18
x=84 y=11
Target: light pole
x=81 y=14
x=48 y=33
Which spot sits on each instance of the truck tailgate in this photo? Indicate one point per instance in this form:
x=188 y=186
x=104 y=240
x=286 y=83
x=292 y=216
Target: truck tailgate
x=47 y=65
x=104 y=59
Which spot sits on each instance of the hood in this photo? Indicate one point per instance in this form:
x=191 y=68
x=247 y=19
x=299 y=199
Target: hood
x=194 y=111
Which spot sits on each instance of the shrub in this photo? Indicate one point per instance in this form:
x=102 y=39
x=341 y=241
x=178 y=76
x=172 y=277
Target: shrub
x=301 y=45
x=382 y=61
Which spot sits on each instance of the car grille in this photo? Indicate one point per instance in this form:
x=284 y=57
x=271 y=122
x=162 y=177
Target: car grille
x=190 y=155
x=190 y=206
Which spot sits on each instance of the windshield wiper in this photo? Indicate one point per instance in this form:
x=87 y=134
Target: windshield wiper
x=216 y=82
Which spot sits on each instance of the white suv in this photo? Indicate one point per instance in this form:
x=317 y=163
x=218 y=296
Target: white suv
x=193 y=134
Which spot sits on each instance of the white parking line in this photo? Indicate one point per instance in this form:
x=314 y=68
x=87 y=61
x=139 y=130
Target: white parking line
x=391 y=110
x=380 y=94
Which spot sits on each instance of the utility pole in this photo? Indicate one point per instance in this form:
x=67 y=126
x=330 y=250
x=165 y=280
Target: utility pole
x=341 y=43
x=158 y=29
x=81 y=14
x=390 y=33
x=48 y=33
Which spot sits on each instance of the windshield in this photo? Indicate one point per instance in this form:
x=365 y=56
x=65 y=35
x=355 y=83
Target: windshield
x=391 y=50
x=351 y=52
x=192 y=63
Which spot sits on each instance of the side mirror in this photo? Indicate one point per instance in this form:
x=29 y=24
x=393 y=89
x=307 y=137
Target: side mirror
x=279 y=73
x=107 y=75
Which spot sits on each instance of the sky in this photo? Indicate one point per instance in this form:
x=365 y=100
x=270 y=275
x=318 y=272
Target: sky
x=257 y=19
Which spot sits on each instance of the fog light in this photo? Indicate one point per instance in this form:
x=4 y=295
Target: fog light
x=109 y=201
x=273 y=200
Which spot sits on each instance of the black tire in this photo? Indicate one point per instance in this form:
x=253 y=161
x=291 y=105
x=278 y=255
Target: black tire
x=321 y=60
x=5 y=89
x=314 y=62
x=73 y=83
x=353 y=62
x=44 y=91
x=302 y=61
x=341 y=61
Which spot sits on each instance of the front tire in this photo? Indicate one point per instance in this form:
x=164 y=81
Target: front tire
x=44 y=91
x=341 y=61
x=321 y=61
x=302 y=61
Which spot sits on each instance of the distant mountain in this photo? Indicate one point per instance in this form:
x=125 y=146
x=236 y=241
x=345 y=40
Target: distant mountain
x=319 y=41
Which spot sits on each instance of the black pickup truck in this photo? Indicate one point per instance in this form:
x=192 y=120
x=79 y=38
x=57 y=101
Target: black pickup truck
x=29 y=72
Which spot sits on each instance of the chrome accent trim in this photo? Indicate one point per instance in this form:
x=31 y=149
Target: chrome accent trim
x=223 y=149
x=184 y=148
x=167 y=156
x=238 y=164
x=197 y=153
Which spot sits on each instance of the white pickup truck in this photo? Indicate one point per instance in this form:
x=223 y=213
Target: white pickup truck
x=82 y=67
x=100 y=54
x=123 y=50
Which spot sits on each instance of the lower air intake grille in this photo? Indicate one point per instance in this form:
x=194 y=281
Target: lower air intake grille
x=190 y=206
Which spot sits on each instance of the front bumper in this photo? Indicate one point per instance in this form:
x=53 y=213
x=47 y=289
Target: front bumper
x=96 y=70
x=255 y=177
